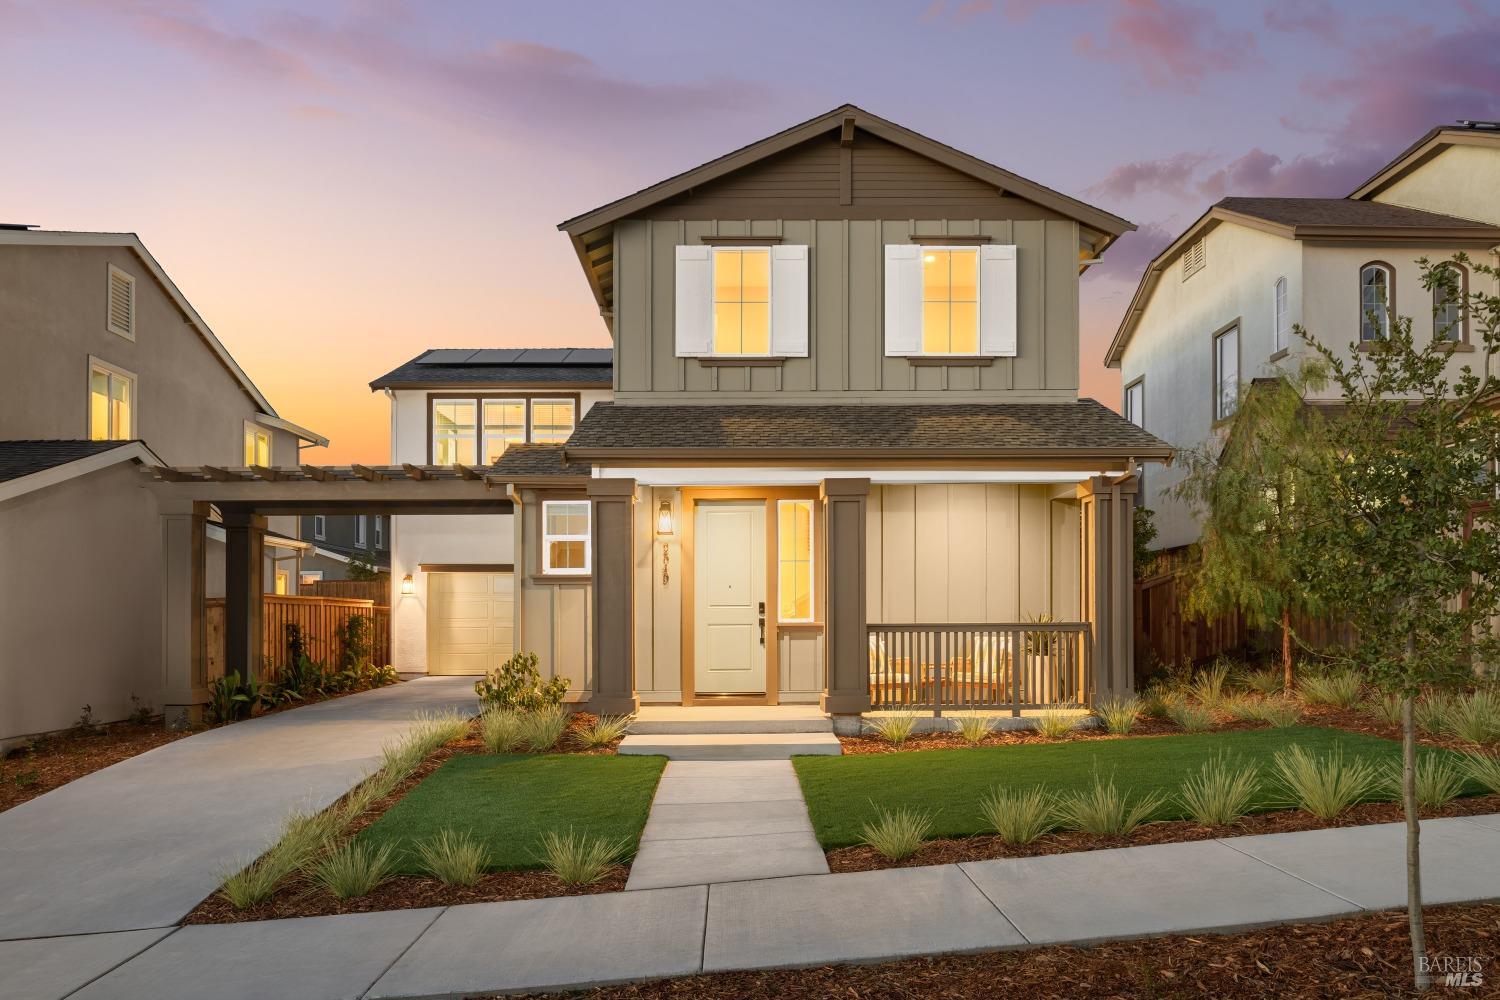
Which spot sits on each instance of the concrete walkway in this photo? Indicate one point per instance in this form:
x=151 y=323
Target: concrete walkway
x=726 y=821
x=139 y=844
x=578 y=941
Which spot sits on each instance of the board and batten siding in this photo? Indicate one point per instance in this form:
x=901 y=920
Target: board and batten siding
x=555 y=619
x=972 y=553
x=846 y=361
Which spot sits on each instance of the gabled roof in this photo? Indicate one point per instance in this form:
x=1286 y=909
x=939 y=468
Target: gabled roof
x=1323 y=219
x=1464 y=133
x=547 y=367
x=31 y=465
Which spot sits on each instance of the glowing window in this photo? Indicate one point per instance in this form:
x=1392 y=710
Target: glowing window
x=950 y=301
x=742 y=301
x=565 y=537
x=504 y=425
x=257 y=446
x=454 y=431
x=552 y=419
x=111 y=403
x=794 y=556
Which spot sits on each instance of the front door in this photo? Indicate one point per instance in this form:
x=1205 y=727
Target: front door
x=729 y=609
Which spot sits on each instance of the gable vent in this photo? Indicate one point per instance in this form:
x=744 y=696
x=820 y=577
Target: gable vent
x=1192 y=259
x=121 y=303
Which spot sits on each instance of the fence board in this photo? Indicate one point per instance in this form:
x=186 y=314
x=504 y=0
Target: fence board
x=321 y=619
x=378 y=591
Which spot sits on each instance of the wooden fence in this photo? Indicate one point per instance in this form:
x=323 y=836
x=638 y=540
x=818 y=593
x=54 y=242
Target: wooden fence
x=378 y=591
x=321 y=619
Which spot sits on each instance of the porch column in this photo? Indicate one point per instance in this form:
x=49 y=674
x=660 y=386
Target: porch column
x=1108 y=579
x=847 y=653
x=244 y=583
x=613 y=596
x=183 y=685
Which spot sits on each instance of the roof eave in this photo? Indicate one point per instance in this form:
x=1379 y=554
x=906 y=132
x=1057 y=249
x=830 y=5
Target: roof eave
x=895 y=455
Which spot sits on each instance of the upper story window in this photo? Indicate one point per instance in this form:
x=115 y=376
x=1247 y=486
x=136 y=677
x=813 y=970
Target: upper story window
x=950 y=301
x=552 y=420
x=320 y=527
x=1282 y=314
x=1135 y=402
x=361 y=531
x=1193 y=259
x=455 y=432
x=1226 y=372
x=1449 y=306
x=468 y=430
x=504 y=425
x=120 y=304
x=741 y=301
x=379 y=532
x=257 y=445
x=111 y=402
x=1376 y=300
x=565 y=537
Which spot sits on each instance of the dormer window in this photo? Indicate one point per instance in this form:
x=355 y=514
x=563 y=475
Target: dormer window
x=741 y=301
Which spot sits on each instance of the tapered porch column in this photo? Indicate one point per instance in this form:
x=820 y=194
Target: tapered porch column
x=1108 y=579
x=184 y=688
x=613 y=597
x=244 y=585
x=847 y=659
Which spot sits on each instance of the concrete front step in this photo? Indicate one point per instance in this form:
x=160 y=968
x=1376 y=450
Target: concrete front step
x=662 y=720
x=731 y=746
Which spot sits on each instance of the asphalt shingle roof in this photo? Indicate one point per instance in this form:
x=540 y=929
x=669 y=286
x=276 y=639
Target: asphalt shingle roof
x=1084 y=425
x=25 y=458
x=1344 y=212
x=503 y=366
x=522 y=460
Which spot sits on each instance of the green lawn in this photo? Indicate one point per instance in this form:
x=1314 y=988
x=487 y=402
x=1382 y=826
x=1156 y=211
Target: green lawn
x=843 y=792
x=507 y=802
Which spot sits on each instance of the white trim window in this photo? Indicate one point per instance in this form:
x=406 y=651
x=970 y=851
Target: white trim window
x=552 y=420
x=1281 y=311
x=1375 y=281
x=741 y=301
x=455 y=431
x=1449 y=307
x=565 y=538
x=1134 y=402
x=950 y=301
x=795 y=575
x=361 y=531
x=1226 y=373
x=379 y=532
x=257 y=445
x=119 y=307
x=112 y=402
x=320 y=528
x=504 y=425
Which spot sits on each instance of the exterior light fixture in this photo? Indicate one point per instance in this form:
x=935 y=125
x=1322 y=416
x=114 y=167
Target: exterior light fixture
x=664 y=530
x=408 y=586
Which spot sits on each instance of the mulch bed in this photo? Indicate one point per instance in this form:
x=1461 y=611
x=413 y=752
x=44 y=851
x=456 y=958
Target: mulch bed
x=1364 y=956
x=983 y=847
x=404 y=892
x=52 y=761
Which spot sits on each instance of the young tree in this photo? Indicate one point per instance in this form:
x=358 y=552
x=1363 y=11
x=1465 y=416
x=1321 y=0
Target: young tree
x=1252 y=495
x=362 y=567
x=1405 y=540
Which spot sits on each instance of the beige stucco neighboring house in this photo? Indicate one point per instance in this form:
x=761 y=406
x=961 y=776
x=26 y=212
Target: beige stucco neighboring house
x=107 y=367
x=1218 y=307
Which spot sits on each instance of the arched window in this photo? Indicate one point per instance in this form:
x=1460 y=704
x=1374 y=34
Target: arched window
x=1377 y=282
x=1449 y=310
x=1283 y=315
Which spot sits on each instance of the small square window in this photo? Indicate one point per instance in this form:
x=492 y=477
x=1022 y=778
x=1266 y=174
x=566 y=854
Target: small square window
x=565 y=537
x=111 y=403
x=257 y=445
x=320 y=527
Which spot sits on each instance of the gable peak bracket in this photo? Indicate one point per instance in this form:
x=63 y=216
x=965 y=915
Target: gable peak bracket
x=846 y=132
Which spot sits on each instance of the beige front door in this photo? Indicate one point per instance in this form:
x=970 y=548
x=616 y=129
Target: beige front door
x=470 y=622
x=729 y=609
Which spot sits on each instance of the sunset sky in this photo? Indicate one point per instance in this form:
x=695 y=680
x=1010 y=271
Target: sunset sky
x=337 y=186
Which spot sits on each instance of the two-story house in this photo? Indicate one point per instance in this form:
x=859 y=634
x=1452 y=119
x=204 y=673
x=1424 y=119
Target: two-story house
x=1217 y=308
x=335 y=539
x=840 y=459
x=107 y=366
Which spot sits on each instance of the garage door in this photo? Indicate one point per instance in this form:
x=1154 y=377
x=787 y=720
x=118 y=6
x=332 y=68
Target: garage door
x=470 y=622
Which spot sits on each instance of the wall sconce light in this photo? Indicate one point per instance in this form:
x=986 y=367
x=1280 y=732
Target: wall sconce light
x=408 y=586
x=664 y=530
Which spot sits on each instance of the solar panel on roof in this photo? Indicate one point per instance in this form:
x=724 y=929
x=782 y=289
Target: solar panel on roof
x=494 y=356
x=590 y=356
x=543 y=356
x=446 y=356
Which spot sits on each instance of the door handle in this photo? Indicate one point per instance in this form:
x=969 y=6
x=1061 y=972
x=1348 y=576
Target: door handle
x=762 y=624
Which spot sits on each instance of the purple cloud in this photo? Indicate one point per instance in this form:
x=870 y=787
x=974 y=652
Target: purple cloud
x=1171 y=44
x=1172 y=174
x=1128 y=257
x=1315 y=18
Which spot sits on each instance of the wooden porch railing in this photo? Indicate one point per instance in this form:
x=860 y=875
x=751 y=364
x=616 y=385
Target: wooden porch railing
x=1012 y=666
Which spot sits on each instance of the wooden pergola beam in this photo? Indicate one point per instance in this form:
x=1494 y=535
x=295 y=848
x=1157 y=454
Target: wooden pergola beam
x=415 y=472
x=464 y=472
x=221 y=475
x=171 y=475
x=269 y=474
x=319 y=473
x=368 y=474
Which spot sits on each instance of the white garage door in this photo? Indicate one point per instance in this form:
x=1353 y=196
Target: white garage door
x=470 y=622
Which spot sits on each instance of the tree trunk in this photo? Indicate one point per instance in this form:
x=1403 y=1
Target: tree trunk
x=1413 y=845
x=1286 y=649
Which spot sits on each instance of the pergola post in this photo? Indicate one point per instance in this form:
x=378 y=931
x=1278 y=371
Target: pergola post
x=244 y=583
x=847 y=652
x=613 y=596
x=1108 y=579
x=184 y=685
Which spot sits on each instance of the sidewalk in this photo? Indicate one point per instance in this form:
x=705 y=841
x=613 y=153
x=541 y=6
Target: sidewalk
x=1080 y=898
x=137 y=845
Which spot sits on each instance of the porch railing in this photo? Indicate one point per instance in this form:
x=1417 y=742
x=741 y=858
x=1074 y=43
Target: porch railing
x=1012 y=666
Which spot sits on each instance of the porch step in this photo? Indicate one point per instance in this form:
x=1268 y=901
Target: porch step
x=731 y=746
x=716 y=721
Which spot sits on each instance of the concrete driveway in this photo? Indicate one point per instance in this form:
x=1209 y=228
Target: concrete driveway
x=139 y=844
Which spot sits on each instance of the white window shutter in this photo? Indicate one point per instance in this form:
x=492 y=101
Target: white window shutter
x=695 y=301
x=997 y=301
x=903 y=299
x=789 y=301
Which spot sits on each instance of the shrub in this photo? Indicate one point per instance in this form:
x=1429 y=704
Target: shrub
x=1019 y=817
x=897 y=834
x=500 y=729
x=518 y=684
x=1277 y=712
x=1387 y=708
x=354 y=869
x=1159 y=702
x=1264 y=681
x=1103 y=811
x=1341 y=689
x=1430 y=713
x=1240 y=707
x=540 y=730
x=1474 y=718
x=1439 y=781
x=1119 y=715
x=1192 y=718
x=1208 y=688
x=974 y=728
x=1220 y=793
x=1054 y=724
x=1327 y=784
x=895 y=728
x=603 y=731
x=453 y=858
x=230 y=698
x=578 y=859
x=1485 y=769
